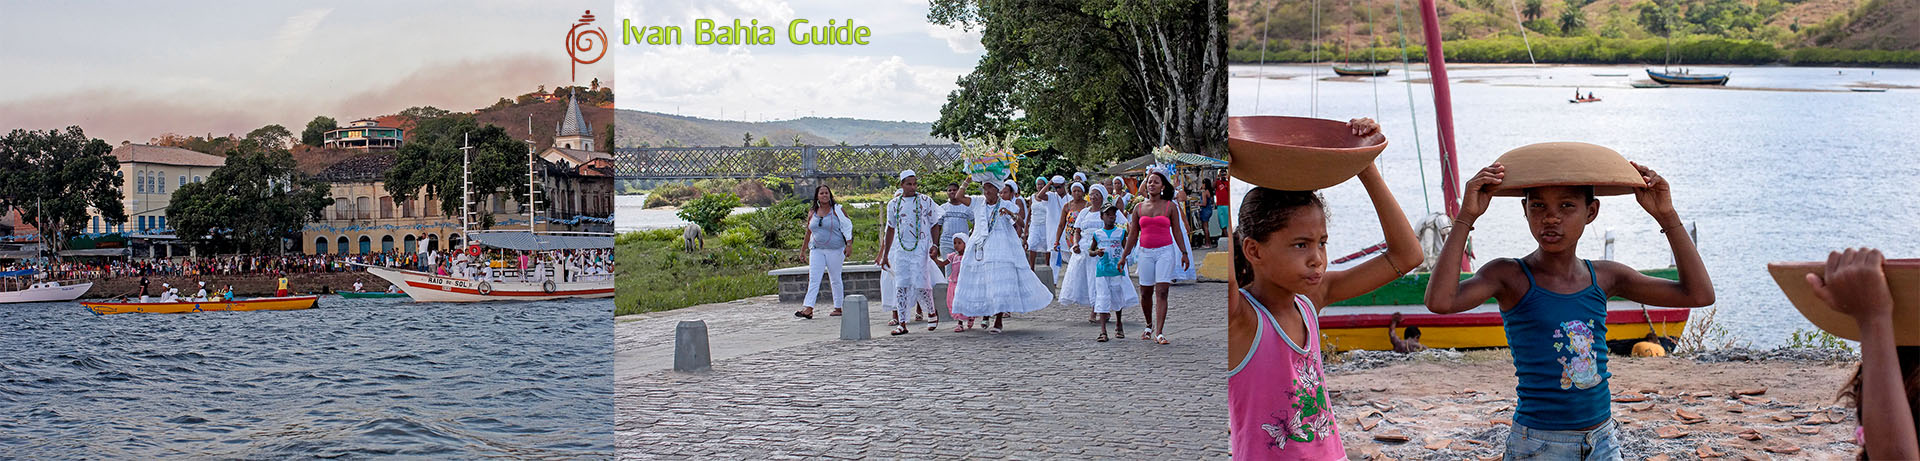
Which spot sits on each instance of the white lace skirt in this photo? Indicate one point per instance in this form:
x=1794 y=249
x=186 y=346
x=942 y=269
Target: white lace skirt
x=996 y=279
x=1077 y=281
x=1113 y=294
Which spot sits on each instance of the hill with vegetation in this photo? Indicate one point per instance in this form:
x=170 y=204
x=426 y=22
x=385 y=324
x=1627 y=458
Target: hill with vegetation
x=650 y=129
x=1798 y=32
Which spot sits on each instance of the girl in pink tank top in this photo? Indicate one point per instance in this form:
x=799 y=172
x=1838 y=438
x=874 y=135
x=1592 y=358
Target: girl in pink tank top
x=1277 y=401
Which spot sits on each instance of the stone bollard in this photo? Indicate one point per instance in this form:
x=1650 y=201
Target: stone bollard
x=853 y=318
x=690 y=347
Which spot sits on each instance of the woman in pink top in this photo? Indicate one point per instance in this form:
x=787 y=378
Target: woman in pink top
x=1277 y=404
x=1162 y=251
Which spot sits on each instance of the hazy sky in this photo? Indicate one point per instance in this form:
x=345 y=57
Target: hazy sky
x=130 y=70
x=904 y=74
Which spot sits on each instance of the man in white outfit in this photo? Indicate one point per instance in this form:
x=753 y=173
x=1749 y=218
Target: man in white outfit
x=906 y=248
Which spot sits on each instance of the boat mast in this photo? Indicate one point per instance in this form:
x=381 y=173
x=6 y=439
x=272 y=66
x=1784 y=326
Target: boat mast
x=466 y=185
x=1443 y=113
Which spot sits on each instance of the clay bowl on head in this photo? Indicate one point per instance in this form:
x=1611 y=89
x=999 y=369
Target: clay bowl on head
x=1567 y=164
x=1297 y=153
x=1903 y=278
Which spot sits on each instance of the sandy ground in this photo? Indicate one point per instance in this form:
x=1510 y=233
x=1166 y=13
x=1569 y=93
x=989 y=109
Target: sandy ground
x=1451 y=405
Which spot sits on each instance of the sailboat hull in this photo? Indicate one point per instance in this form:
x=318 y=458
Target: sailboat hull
x=430 y=288
x=1359 y=72
x=1687 y=79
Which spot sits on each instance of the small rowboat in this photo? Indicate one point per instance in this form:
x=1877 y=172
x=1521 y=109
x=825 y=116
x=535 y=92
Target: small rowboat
x=288 y=303
x=1868 y=90
x=1583 y=100
x=1360 y=71
x=1687 y=78
x=1361 y=322
x=370 y=294
x=1650 y=85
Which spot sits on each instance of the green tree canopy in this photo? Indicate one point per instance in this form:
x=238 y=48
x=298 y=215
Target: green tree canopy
x=432 y=160
x=316 y=131
x=271 y=136
x=250 y=204
x=1100 y=80
x=53 y=177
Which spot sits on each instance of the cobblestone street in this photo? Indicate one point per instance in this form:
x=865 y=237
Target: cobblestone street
x=788 y=388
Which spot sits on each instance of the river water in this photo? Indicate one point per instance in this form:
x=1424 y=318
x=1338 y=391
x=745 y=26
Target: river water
x=351 y=378
x=1785 y=164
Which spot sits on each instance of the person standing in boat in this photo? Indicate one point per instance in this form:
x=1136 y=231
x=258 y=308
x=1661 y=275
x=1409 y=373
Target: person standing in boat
x=829 y=243
x=1162 y=249
x=282 y=291
x=1553 y=306
x=907 y=249
x=143 y=286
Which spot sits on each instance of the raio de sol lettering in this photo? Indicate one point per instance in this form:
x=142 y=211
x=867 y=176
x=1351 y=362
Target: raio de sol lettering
x=747 y=32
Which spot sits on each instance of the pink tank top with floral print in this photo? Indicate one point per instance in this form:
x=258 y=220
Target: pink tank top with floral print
x=1277 y=402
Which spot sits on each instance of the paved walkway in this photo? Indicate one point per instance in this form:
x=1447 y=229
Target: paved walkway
x=787 y=388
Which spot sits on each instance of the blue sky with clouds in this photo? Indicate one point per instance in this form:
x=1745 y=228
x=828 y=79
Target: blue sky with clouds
x=127 y=70
x=904 y=74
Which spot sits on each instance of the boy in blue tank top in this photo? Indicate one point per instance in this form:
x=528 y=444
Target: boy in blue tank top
x=1554 y=308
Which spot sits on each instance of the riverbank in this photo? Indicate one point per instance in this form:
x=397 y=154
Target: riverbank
x=243 y=285
x=1734 y=403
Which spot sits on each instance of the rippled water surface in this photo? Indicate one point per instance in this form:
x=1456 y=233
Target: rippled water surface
x=351 y=378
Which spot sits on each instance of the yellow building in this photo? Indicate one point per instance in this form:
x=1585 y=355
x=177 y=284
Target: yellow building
x=365 y=134
x=365 y=219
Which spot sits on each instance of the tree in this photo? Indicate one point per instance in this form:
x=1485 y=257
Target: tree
x=53 y=177
x=1571 y=20
x=271 y=137
x=1533 y=9
x=608 y=133
x=746 y=139
x=432 y=160
x=1099 y=80
x=316 y=132
x=412 y=116
x=250 y=204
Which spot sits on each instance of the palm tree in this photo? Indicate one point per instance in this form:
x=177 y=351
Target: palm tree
x=1571 y=19
x=1533 y=9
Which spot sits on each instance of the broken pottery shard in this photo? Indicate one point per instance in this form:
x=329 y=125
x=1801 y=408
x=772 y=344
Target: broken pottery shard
x=1437 y=444
x=1783 y=418
x=1809 y=430
x=1630 y=398
x=1392 y=436
x=1500 y=422
x=1644 y=406
x=1755 y=401
x=1753 y=391
x=1750 y=434
x=1707 y=451
x=1783 y=448
x=1670 y=432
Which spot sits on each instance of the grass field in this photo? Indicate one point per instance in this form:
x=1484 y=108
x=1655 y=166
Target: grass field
x=657 y=274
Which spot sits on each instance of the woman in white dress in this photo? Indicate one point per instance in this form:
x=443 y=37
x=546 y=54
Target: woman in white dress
x=997 y=277
x=1078 y=275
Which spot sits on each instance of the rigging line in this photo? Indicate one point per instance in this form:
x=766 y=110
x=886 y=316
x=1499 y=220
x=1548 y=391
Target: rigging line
x=1313 y=70
x=1260 y=74
x=1523 y=31
x=1413 y=113
x=1372 y=65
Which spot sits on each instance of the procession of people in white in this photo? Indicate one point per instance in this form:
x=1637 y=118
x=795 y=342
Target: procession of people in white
x=985 y=247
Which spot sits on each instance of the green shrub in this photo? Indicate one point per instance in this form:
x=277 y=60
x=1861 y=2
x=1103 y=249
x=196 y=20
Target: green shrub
x=670 y=195
x=776 y=225
x=709 y=210
x=1816 y=339
x=740 y=236
x=651 y=235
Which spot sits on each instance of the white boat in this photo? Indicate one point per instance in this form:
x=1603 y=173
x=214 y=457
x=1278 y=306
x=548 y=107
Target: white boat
x=431 y=288
x=38 y=292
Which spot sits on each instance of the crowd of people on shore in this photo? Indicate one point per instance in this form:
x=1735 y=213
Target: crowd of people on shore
x=569 y=264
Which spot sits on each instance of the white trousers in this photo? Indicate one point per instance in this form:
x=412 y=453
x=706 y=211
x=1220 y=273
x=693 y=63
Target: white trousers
x=829 y=261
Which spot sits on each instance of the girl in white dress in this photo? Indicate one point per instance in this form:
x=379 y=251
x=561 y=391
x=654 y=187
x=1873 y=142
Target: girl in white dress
x=996 y=277
x=1078 y=275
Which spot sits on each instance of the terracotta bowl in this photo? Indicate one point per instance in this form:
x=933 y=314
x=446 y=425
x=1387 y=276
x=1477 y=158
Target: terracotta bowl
x=1567 y=164
x=1297 y=153
x=1903 y=277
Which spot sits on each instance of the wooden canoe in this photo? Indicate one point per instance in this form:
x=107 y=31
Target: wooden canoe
x=1687 y=79
x=1361 y=322
x=255 y=304
x=1360 y=71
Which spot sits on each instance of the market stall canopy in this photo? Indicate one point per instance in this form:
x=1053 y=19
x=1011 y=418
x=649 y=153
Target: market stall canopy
x=542 y=242
x=1185 y=160
x=18 y=273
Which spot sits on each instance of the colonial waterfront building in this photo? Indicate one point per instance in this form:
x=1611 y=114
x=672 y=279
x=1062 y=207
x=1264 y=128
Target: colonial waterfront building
x=365 y=134
x=365 y=219
x=150 y=174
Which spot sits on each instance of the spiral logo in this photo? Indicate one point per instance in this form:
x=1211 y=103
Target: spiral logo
x=580 y=42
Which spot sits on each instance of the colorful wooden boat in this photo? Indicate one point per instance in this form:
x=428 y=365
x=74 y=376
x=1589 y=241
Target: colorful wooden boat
x=370 y=294
x=1583 y=100
x=430 y=288
x=1684 y=78
x=182 y=307
x=1360 y=71
x=1361 y=322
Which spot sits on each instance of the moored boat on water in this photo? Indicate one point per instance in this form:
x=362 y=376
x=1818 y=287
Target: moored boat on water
x=15 y=288
x=1583 y=100
x=370 y=294
x=1360 y=71
x=1687 y=78
x=286 y=303
x=543 y=282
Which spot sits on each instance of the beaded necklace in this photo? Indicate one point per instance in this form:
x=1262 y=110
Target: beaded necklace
x=917 y=223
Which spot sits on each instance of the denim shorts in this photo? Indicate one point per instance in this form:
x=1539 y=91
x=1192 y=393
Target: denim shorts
x=1601 y=443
